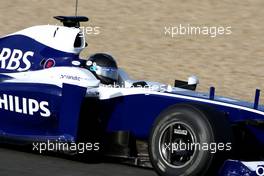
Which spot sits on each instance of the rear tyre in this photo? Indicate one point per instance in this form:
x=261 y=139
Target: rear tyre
x=189 y=140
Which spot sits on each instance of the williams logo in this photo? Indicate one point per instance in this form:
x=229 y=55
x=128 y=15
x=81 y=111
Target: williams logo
x=15 y=59
x=24 y=105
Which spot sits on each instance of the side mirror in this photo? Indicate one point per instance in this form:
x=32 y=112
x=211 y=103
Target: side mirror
x=190 y=84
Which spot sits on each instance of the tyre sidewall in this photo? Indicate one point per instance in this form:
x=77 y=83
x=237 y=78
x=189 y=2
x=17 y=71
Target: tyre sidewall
x=201 y=128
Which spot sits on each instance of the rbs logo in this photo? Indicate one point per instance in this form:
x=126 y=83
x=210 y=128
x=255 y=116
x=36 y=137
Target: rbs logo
x=12 y=59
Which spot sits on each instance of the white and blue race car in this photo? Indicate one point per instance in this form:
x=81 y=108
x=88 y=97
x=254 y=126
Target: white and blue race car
x=48 y=94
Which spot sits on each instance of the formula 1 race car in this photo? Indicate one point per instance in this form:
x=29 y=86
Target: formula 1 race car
x=49 y=95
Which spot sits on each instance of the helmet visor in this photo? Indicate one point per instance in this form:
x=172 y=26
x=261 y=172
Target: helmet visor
x=108 y=72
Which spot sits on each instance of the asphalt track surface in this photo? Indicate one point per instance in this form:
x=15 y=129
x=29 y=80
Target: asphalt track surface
x=19 y=163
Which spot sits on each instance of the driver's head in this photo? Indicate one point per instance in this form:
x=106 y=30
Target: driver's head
x=104 y=67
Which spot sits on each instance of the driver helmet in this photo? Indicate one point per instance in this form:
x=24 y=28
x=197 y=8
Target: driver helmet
x=104 y=67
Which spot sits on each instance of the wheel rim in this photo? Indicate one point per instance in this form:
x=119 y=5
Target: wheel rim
x=175 y=144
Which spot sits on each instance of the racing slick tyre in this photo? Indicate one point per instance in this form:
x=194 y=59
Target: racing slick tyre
x=189 y=140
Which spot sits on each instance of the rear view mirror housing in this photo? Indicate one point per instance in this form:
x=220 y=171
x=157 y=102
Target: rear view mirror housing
x=191 y=84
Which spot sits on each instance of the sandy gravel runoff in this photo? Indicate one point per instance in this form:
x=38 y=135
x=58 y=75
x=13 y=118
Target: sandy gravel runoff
x=133 y=31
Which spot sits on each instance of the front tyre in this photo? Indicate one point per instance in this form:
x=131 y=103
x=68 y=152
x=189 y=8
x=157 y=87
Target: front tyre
x=189 y=140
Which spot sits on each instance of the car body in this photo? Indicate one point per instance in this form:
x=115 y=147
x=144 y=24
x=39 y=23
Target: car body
x=47 y=94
